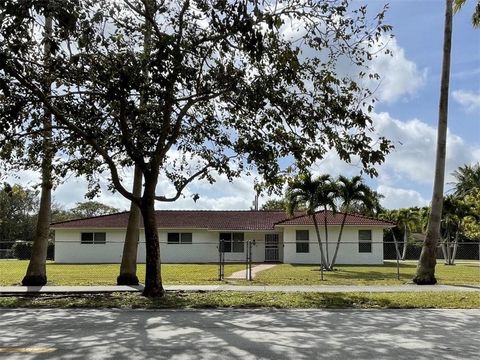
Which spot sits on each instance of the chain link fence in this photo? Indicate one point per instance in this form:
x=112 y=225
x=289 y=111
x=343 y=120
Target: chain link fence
x=217 y=265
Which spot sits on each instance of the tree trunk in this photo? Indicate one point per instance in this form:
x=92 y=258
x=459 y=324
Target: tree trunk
x=319 y=239
x=449 y=251
x=405 y=242
x=455 y=247
x=128 y=267
x=397 y=250
x=426 y=264
x=153 y=278
x=36 y=274
x=444 y=250
x=334 y=259
x=326 y=238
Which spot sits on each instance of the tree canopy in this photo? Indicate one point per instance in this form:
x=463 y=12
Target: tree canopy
x=231 y=87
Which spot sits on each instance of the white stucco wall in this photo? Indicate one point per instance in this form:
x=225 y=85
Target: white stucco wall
x=68 y=248
x=203 y=249
x=348 y=252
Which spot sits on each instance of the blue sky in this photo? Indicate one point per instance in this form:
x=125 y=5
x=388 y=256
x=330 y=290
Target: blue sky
x=407 y=113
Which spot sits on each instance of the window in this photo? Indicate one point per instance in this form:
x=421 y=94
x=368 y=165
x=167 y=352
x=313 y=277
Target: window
x=232 y=242
x=179 y=238
x=93 y=238
x=302 y=241
x=364 y=241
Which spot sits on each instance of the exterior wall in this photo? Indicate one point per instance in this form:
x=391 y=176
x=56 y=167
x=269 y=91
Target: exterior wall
x=68 y=248
x=348 y=252
x=203 y=249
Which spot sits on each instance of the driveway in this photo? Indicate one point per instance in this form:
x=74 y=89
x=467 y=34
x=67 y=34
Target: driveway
x=239 y=334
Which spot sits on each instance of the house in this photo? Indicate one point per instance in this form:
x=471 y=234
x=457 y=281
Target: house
x=192 y=236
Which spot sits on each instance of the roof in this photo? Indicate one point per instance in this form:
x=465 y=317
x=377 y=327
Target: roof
x=221 y=220
x=335 y=219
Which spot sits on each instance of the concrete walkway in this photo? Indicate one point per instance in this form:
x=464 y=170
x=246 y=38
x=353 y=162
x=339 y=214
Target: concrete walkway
x=242 y=274
x=29 y=290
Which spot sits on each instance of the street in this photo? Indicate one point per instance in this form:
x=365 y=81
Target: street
x=239 y=334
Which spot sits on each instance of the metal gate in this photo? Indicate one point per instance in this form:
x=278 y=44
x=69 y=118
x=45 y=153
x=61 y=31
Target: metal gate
x=271 y=247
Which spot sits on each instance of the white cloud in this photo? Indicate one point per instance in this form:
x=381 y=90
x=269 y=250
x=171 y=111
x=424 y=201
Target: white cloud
x=396 y=198
x=468 y=99
x=400 y=77
x=413 y=158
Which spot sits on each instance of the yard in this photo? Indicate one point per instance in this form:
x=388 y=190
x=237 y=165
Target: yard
x=12 y=272
x=465 y=273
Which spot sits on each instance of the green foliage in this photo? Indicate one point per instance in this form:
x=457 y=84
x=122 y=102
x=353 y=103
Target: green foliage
x=226 y=95
x=91 y=208
x=467 y=178
x=275 y=204
x=315 y=193
x=18 y=207
x=22 y=250
x=235 y=96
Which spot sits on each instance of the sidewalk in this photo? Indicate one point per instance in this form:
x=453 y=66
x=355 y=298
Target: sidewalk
x=32 y=290
x=242 y=274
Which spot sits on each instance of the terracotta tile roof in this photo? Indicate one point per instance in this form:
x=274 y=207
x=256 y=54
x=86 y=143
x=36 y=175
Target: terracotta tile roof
x=336 y=219
x=219 y=220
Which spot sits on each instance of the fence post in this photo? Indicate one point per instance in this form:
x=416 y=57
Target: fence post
x=398 y=264
x=221 y=261
x=321 y=263
x=250 y=260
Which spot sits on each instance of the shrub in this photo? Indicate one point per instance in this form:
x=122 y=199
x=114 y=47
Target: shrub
x=22 y=250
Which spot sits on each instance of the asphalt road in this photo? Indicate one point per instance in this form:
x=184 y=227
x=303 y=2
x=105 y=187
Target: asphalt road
x=239 y=334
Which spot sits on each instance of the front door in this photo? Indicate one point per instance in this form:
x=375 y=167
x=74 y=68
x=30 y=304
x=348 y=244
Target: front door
x=271 y=247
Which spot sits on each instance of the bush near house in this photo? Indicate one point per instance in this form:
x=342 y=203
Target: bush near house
x=22 y=250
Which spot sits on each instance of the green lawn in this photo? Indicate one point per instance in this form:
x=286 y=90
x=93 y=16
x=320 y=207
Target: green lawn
x=12 y=272
x=420 y=300
x=467 y=273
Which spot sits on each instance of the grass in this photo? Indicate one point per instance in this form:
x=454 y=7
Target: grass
x=188 y=300
x=464 y=273
x=12 y=272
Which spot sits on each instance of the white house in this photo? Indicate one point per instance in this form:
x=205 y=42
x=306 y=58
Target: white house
x=192 y=236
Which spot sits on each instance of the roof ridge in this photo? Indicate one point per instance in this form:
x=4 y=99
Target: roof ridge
x=89 y=217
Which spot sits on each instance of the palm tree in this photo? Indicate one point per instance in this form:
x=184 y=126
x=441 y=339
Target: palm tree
x=350 y=191
x=36 y=274
x=467 y=178
x=305 y=190
x=455 y=211
x=372 y=208
x=326 y=195
x=392 y=215
x=425 y=273
x=458 y=4
x=407 y=220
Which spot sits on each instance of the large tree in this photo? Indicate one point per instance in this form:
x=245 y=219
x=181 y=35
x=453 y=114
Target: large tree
x=229 y=90
x=313 y=193
x=36 y=274
x=88 y=209
x=425 y=274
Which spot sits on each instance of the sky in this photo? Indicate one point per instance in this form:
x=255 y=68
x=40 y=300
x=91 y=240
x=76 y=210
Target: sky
x=406 y=113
